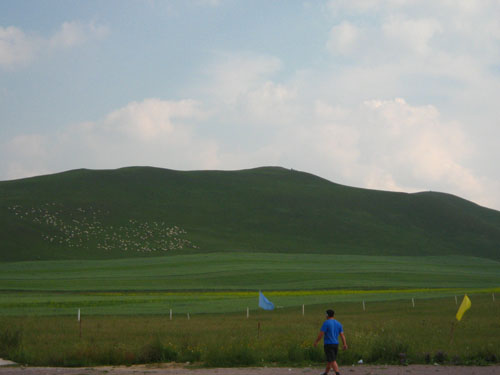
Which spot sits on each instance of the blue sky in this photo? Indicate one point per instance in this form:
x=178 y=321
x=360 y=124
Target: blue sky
x=394 y=95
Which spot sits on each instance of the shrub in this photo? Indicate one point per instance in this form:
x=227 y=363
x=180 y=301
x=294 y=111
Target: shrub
x=488 y=355
x=483 y=357
x=440 y=357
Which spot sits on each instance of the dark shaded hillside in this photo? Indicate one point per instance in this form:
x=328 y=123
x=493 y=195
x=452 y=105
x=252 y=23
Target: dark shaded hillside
x=142 y=211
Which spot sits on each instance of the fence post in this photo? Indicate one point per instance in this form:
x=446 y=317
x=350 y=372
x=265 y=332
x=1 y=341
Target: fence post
x=80 y=323
x=303 y=310
x=413 y=302
x=170 y=314
x=364 y=308
x=248 y=312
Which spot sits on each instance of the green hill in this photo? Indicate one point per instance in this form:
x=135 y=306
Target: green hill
x=143 y=211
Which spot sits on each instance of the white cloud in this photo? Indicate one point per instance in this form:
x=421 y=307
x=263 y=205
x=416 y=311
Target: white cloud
x=150 y=120
x=415 y=147
x=270 y=103
x=394 y=28
x=32 y=146
x=414 y=34
x=396 y=38
x=343 y=38
x=232 y=75
x=75 y=32
x=240 y=89
x=18 y=48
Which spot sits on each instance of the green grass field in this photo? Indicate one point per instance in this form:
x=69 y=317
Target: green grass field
x=386 y=332
x=228 y=282
x=125 y=306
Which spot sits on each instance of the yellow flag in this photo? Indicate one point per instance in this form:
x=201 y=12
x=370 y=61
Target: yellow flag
x=464 y=306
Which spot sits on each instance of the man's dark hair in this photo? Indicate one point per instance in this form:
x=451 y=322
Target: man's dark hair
x=330 y=313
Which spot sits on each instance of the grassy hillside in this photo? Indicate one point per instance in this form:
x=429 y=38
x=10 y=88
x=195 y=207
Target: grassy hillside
x=85 y=214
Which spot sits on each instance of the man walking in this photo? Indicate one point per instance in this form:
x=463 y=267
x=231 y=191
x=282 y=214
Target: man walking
x=331 y=330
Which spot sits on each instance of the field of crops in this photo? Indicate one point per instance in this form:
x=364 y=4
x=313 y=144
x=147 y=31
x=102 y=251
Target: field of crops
x=251 y=271
x=229 y=282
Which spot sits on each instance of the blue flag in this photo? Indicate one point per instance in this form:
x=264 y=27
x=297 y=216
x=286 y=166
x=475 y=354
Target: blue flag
x=264 y=302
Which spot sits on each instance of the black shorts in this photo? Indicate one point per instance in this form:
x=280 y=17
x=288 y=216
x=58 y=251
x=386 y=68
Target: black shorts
x=331 y=351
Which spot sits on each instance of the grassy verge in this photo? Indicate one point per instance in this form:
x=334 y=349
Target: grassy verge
x=387 y=332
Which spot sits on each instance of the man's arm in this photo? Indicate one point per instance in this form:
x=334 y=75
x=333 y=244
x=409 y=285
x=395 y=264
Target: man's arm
x=343 y=340
x=320 y=336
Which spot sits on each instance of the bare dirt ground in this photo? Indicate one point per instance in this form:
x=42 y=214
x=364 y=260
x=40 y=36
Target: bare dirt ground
x=166 y=369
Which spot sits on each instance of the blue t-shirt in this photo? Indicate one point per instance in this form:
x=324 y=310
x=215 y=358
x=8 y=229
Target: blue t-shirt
x=332 y=329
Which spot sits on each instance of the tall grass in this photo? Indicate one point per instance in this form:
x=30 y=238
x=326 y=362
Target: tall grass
x=387 y=332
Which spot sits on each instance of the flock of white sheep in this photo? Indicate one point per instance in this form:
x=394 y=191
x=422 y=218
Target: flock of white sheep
x=84 y=228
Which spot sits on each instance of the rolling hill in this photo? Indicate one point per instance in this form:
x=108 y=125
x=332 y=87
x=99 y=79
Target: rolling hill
x=144 y=211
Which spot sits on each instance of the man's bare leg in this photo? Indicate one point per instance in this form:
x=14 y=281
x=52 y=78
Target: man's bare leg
x=329 y=365
x=335 y=367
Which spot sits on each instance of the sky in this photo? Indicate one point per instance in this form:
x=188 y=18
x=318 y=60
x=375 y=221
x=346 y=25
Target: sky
x=391 y=95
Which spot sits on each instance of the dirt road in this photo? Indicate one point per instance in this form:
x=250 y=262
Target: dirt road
x=170 y=370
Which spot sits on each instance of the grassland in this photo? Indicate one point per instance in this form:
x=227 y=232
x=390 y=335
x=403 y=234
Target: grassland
x=225 y=282
x=138 y=212
x=125 y=306
x=387 y=332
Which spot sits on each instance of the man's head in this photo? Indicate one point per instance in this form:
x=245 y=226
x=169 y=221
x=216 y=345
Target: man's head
x=330 y=313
